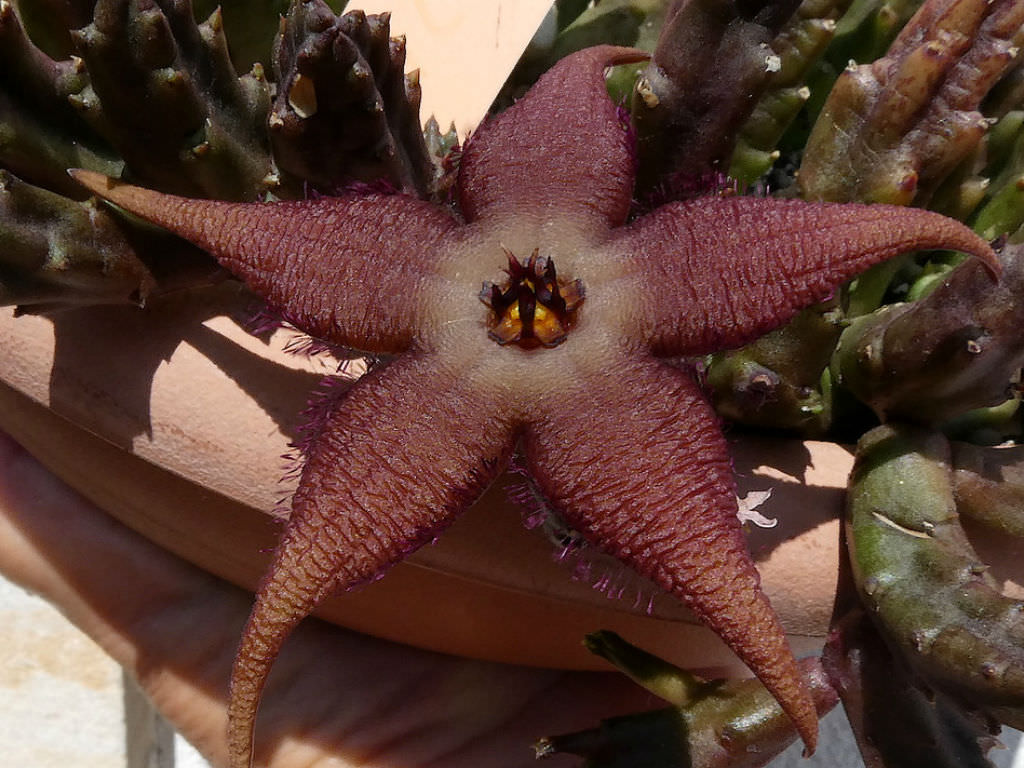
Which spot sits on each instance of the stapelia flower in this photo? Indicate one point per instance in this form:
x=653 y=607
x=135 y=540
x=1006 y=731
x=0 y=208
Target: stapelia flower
x=570 y=352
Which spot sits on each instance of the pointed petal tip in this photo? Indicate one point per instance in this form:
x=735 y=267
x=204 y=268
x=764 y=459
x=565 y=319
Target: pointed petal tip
x=974 y=245
x=794 y=694
x=530 y=156
x=937 y=231
x=603 y=56
x=140 y=201
x=96 y=183
x=131 y=198
x=808 y=731
x=614 y=55
x=992 y=261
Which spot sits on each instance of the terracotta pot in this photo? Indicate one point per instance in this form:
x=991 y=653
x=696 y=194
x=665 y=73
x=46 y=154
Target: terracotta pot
x=175 y=420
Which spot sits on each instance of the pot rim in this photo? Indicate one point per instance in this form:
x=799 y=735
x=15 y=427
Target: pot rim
x=199 y=424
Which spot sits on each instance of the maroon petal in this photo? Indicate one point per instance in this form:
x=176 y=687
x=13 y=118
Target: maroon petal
x=348 y=269
x=643 y=471
x=715 y=273
x=561 y=150
x=408 y=449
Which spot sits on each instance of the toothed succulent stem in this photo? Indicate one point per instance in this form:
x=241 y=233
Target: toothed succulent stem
x=988 y=484
x=633 y=23
x=49 y=22
x=686 y=121
x=1003 y=211
x=921 y=580
x=797 y=48
x=780 y=381
x=956 y=349
x=868 y=29
x=345 y=110
x=56 y=250
x=41 y=133
x=202 y=131
x=883 y=137
x=899 y=721
x=894 y=129
x=250 y=26
x=715 y=723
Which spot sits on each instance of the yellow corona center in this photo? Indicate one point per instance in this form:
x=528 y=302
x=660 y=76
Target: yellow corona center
x=533 y=307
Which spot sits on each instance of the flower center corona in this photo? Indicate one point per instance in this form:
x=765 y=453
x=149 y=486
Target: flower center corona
x=533 y=307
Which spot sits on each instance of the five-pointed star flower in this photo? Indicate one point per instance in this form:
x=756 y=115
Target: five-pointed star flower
x=568 y=353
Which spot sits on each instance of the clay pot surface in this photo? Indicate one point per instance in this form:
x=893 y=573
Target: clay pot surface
x=176 y=420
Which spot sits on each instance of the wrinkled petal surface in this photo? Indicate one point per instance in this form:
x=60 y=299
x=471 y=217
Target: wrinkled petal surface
x=405 y=451
x=644 y=473
x=626 y=447
x=351 y=269
x=559 y=151
x=715 y=273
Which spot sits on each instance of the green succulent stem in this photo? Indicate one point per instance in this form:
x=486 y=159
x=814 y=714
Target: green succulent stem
x=57 y=250
x=798 y=47
x=893 y=130
x=345 y=110
x=920 y=578
x=898 y=721
x=956 y=349
x=781 y=380
x=714 y=723
x=667 y=681
x=687 y=122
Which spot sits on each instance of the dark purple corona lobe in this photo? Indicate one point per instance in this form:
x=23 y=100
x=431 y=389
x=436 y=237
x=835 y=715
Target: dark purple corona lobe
x=535 y=306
